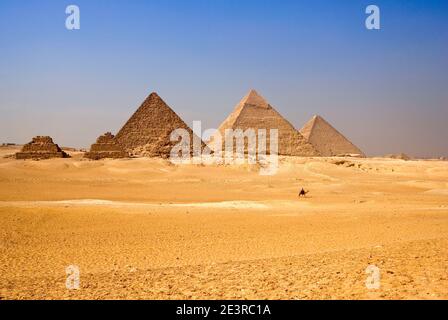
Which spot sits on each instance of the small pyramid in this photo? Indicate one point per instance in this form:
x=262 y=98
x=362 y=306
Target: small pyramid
x=41 y=147
x=254 y=112
x=105 y=147
x=147 y=132
x=401 y=156
x=327 y=140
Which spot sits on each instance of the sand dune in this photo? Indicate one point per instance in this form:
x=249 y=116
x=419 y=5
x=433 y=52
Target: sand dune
x=144 y=228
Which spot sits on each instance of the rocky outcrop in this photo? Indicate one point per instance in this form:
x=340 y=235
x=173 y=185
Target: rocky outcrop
x=41 y=147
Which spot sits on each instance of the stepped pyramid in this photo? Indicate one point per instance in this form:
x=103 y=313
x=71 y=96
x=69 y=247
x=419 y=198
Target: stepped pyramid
x=41 y=147
x=147 y=132
x=327 y=140
x=254 y=112
x=105 y=147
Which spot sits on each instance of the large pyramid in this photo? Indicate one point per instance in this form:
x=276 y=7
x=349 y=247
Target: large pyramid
x=147 y=132
x=254 y=112
x=327 y=140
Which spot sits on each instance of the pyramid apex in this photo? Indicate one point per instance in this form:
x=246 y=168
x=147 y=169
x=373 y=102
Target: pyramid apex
x=317 y=119
x=254 y=99
x=253 y=92
x=154 y=94
x=154 y=98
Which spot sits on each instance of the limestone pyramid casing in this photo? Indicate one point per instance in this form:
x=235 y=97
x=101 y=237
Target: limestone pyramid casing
x=147 y=132
x=254 y=112
x=326 y=139
x=41 y=147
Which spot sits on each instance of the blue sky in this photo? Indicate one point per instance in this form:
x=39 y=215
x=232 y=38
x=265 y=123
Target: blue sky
x=386 y=89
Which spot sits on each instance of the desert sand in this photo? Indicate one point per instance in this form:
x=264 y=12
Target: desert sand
x=146 y=229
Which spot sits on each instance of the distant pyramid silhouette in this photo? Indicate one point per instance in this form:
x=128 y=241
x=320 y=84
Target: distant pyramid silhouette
x=326 y=139
x=147 y=132
x=254 y=112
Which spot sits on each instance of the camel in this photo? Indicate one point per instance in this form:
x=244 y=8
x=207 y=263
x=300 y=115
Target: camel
x=303 y=193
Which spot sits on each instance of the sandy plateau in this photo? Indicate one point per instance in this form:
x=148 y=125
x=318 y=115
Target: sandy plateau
x=146 y=229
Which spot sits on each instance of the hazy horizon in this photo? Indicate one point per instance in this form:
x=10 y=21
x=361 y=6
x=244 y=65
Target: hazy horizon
x=385 y=90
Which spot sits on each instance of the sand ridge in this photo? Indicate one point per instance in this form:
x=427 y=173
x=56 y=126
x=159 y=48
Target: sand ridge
x=144 y=228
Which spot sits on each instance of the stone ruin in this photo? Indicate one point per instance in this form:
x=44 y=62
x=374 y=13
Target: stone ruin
x=106 y=147
x=41 y=147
